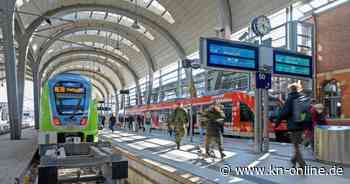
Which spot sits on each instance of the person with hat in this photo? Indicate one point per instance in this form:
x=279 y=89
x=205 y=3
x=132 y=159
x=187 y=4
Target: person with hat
x=295 y=128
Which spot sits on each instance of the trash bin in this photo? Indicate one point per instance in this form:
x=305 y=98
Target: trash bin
x=332 y=144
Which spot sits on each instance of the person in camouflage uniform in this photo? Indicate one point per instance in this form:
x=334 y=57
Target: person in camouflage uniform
x=178 y=122
x=214 y=122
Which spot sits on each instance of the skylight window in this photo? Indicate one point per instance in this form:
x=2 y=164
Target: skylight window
x=110 y=17
x=126 y=21
x=305 y=8
x=155 y=7
x=84 y=14
x=113 y=17
x=98 y=15
x=318 y=3
x=112 y=36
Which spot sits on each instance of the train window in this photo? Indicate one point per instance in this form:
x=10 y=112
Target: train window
x=70 y=98
x=70 y=106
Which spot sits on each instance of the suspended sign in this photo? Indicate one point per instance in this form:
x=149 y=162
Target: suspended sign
x=292 y=64
x=227 y=55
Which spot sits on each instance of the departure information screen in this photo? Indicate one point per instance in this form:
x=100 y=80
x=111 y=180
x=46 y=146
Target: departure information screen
x=62 y=89
x=292 y=64
x=230 y=55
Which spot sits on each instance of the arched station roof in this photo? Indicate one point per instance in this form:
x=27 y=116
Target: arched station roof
x=141 y=35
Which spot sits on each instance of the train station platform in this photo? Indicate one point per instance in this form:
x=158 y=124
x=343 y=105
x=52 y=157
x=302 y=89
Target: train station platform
x=158 y=152
x=16 y=155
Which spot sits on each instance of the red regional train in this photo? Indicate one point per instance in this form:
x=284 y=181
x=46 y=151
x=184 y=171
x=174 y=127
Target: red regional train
x=239 y=109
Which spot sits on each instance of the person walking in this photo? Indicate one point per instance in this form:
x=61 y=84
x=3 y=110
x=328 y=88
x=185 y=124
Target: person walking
x=215 y=117
x=102 y=121
x=179 y=122
x=295 y=128
x=112 y=122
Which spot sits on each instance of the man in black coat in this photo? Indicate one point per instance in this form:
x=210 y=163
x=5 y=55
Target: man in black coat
x=295 y=128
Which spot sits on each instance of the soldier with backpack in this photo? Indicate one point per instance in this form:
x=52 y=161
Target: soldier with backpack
x=294 y=111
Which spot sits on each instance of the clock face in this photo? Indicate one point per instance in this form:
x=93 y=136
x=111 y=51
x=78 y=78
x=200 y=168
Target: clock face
x=262 y=26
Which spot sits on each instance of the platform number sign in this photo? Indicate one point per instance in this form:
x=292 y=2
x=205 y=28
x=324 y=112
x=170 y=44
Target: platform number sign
x=263 y=80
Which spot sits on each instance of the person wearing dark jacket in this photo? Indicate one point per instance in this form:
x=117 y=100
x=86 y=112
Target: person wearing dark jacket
x=112 y=122
x=215 y=120
x=296 y=129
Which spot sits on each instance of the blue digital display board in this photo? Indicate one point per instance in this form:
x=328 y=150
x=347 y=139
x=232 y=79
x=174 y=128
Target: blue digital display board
x=229 y=55
x=293 y=64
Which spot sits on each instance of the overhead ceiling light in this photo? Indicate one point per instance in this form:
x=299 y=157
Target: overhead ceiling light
x=47 y=20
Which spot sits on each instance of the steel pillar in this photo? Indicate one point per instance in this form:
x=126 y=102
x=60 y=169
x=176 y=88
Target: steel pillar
x=150 y=87
x=116 y=103
x=179 y=79
x=160 y=92
x=21 y=72
x=36 y=94
x=7 y=25
x=258 y=122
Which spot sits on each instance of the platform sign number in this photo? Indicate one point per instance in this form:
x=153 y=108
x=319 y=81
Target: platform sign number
x=263 y=80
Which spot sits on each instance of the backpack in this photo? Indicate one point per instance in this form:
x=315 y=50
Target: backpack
x=301 y=110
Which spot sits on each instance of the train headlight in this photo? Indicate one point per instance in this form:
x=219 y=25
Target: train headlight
x=83 y=122
x=56 y=121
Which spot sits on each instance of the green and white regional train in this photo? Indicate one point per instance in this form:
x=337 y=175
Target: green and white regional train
x=68 y=113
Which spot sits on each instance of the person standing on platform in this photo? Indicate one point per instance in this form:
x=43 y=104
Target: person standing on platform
x=179 y=122
x=317 y=118
x=215 y=117
x=103 y=121
x=148 y=123
x=295 y=128
x=202 y=123
x=112 y=122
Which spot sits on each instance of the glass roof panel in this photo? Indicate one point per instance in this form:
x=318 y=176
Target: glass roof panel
x=91 y=32
x=113 y=17
x=98 y=15
x=318 y=3
x=112 y=36
x=70 y=16
x=84 y=14
x=126 y=21
x=155 y=7
x=305 y=8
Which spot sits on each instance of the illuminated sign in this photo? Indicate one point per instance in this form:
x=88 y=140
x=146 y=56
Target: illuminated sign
x=228 y=55
x=292 y=64
x=62 y=89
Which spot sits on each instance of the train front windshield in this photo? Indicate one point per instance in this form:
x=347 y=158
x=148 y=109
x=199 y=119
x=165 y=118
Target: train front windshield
x=70 y=98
